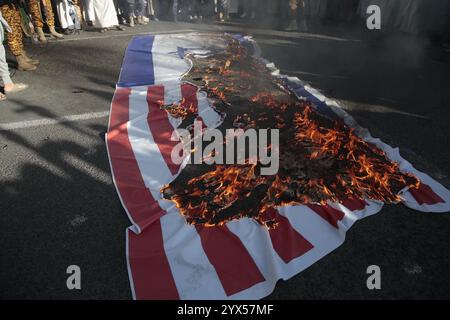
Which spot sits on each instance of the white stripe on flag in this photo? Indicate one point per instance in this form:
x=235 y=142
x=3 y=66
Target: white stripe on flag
x=151 y=164
x=194 y=275
x=257 y=240
x=172 y=94
x=205 y=110
x=167 y=65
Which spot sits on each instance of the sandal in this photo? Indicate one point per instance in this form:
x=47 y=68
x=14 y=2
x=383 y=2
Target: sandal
x=2 y=97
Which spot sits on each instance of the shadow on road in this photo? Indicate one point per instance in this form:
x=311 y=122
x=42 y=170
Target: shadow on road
x=58 y=207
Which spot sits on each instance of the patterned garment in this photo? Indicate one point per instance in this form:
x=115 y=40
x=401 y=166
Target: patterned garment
x=38 y=10
x=69 y=14
x=12 y=16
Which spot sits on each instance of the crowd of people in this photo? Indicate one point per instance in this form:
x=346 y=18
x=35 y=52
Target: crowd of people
x=59 y=18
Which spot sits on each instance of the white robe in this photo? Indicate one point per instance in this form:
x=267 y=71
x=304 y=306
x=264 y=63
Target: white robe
x=102 y=13
x=64 y=15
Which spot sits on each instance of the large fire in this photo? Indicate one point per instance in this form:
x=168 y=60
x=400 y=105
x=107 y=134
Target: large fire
x=321 y=159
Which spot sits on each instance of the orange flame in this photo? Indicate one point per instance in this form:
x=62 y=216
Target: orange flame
x=321 y=159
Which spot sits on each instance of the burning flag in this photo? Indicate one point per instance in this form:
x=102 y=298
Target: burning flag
x=226 y=231
x=322 y=159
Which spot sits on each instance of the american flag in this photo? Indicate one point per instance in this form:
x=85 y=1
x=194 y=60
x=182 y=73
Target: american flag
x=169 y=259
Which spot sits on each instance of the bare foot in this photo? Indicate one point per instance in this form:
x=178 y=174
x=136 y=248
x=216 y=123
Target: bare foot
x=9 y=87
x=15 y=87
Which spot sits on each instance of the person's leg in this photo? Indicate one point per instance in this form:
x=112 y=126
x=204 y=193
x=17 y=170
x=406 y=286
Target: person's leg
x=136 y=13
x=244 y=5
x=122 y=6
x=63 y=15
x=38 y=22
x=4 y=71
x=138 y=7
x=153 y=9
x=196 y=8
x=249 y=9
x=175 y=10
x=140 y=11
x=224 y=6
x=78 y=18
x=8 y=84
x=252 y=8
x=80 y=5
x=188 y=8
x=219 y=9
x=129 y=11
x=208 y=9
x=119 y=11
x=48 y=11
x=293 y=6
x=15 y=41
x=302 y=9
x=35 y=12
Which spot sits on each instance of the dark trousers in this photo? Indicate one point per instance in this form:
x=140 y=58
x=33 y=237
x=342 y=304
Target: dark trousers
x=130 y=7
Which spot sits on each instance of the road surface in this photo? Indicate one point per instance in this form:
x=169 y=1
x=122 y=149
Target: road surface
x=58 y=205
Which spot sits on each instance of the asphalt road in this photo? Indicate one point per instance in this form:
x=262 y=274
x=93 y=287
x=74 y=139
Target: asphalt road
x=58 y=205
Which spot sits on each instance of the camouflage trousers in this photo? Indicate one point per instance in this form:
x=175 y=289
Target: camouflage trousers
x=15 y=38
x=37 y=10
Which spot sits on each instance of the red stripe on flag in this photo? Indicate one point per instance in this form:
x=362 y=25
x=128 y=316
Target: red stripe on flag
x=425 y=195
x=354 y=204
x=152 y=277
x=160 y=126
x=140 y=205
x=189 y=94
x=328 y=213
x=287 y=242
x=120 y=108
x=134 y=194
x=204 y=126
x=235 y=267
